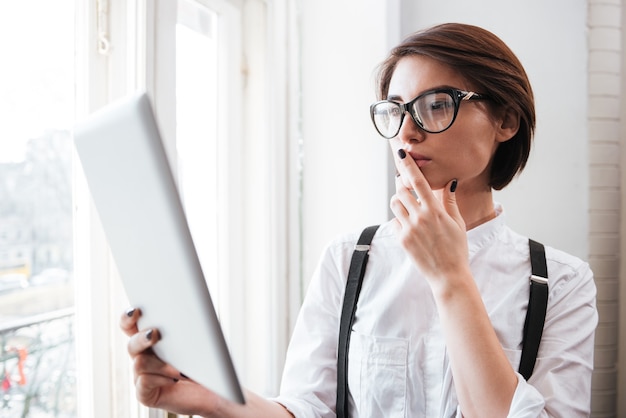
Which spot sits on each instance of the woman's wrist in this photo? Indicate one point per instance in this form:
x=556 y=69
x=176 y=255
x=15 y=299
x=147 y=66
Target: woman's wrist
x=255 y=406
x=449 y=286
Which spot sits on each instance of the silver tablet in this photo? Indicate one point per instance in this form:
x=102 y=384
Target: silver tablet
x=134 y=192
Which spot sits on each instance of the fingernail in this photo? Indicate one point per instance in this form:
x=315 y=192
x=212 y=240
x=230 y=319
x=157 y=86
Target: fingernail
x=183 y=376
x=149 y=335
x=397 y=174
x=175 y=380
x=453 y=185
x=401 y=154
x=130 y=312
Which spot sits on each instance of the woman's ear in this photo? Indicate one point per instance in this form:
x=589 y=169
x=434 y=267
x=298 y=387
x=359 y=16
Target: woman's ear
x=508 y=125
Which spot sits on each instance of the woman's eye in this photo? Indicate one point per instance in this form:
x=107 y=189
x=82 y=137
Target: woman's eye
x=440 y=105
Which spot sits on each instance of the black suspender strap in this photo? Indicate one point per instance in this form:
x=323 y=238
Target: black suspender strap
x=533 y=325
x=536 y=313
x=353 y=288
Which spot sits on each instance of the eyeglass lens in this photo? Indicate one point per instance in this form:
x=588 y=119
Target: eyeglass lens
x=433 y=112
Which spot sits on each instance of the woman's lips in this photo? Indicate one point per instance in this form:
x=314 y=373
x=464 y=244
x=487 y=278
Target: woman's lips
x=420 y=160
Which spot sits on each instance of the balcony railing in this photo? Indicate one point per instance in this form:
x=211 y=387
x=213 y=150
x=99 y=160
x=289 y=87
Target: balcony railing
x=37 y=366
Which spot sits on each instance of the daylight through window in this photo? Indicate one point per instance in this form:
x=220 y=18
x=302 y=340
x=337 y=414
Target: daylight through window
x=37 y=366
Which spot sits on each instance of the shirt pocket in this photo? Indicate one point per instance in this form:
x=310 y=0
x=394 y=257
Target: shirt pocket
x=377 y=375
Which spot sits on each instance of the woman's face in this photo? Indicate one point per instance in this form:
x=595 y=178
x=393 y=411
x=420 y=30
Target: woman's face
x=462 y=152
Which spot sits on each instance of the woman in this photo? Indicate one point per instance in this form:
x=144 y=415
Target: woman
x=438 y=330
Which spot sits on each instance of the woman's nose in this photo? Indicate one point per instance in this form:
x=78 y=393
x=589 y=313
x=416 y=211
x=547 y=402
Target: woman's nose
x=410 y=131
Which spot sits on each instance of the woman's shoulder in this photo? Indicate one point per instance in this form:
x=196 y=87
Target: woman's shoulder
x=564 y=269
x=567 y=272
x=339 y=250
x=384 y=236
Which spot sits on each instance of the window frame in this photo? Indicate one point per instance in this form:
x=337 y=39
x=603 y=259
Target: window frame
x=265 y=220
x=103 y=368
x=160 y=74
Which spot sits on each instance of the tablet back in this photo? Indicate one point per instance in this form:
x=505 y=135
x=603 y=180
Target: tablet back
x=137 y=200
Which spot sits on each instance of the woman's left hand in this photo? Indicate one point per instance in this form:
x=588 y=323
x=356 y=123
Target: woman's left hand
x=430 y=226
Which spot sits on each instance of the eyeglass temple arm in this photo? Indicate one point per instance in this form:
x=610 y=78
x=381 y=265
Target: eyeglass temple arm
x=467 y=95
x=470 y=95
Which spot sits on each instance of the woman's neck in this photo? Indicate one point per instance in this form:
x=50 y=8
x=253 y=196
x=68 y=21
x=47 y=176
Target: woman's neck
x=476 y=207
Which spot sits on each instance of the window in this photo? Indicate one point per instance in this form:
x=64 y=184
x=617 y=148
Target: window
x=239 y=151
x=201 y=60
x=37 y=363
x=196 y=75
x=197 y=132
x=218 y=87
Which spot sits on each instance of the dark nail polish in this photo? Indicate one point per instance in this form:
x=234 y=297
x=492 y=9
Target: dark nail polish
x=397 y=174
x=402 y=154
x=453 y=185
x=130 y=312
x=149 y=335
x=175 y=380
x=183 y=376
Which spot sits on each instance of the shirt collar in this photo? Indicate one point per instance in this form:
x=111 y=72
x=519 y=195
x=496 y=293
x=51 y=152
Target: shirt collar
x=481 y=235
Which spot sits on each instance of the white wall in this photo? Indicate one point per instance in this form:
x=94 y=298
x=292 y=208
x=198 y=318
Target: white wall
x=344 y=160
x=549 y=201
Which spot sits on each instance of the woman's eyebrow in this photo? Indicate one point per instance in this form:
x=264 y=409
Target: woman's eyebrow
x=398 y=98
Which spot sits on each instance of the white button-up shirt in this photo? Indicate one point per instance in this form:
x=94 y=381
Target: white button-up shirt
x=398 y=364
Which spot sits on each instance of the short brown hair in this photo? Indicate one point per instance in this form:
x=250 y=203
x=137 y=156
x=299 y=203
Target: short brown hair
x=488 y=63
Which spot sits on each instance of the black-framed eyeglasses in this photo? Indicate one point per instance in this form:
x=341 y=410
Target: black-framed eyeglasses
x=433 y=111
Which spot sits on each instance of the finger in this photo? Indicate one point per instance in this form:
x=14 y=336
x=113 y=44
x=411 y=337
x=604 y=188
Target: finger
x=397 y=161
x=406 y=196
x=412 y=176
x=128 y=321
x=449 y=202
x=150 y=389
x=149 y=363
x=151 y=381
x=142 y=341
x=401 y=184
x=397 y=227
x=398 y=210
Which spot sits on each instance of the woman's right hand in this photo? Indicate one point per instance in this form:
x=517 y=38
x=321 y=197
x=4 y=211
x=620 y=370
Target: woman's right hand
x=158 y=384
